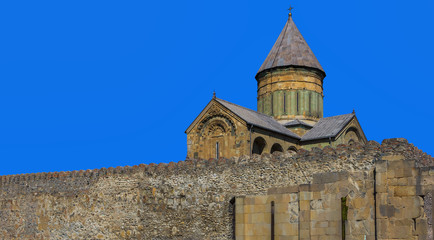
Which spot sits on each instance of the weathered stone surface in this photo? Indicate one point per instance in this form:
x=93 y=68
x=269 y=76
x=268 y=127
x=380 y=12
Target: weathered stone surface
x=194 y=199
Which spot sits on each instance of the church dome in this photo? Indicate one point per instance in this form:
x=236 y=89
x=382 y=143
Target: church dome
x=290 y=49
x=290 y=81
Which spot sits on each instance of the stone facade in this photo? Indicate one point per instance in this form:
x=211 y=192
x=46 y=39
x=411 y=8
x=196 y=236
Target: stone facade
x=291 y=93
x=218 y=133
x=387 y=191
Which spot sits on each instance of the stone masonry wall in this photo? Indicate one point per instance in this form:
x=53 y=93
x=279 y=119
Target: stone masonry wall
x=195 y=199
x=392 y=200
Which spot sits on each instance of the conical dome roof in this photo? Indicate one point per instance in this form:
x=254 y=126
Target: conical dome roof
x=290 y=49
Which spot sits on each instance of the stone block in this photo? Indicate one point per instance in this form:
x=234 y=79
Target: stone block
x=382 y=198
x=247 y=208
x=286 y=229
x=283 y=190
x=319 y=215
x=390 y=174
x=239 y=201
x=317 y=187
x=260 y=200
x=306 y=196
x=304 y=234
x=304 y=205
x=334 y=224
x=381 y=183
x=329 y=177
x=409 y=207
x=421 y=227
x=304 y=225
x=304 y=188
x=286 y=237
x=239 y=230
x=383 y=228
x=394 y=165
x=259 y=209
x=332 y=231
x=357 y=203
x=387 y=211
x=403 y=181
x=361 y=214
x=320 y=224
x=404 y=191
x=380 y=166
x=249 y=201
x=248 y=229
x=260 y=218
x=239 y=208
x=281 y=207
x=239 y=218
x=284 y=198
x=262 y=229
x=318 y=231
x=393 y=157
x=405 y=172
x=400 y=229
x=281 y=218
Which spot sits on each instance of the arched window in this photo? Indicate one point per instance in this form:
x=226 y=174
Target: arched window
x=258 y=145
x=292 y=149
x=276 y=147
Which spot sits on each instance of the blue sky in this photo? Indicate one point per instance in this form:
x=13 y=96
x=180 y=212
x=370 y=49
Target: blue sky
x=91 y=84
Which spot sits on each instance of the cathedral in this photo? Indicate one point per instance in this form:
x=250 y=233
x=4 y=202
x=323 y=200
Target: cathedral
x=289 y=112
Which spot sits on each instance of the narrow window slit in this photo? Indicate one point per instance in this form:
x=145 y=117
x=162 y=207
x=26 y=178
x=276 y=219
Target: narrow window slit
x=272 y=220
x=344 y=214
x=297 y=102
x=310 y=104
x=217 y=150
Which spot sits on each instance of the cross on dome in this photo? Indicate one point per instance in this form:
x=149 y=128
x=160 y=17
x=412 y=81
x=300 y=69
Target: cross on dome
x=290 y=10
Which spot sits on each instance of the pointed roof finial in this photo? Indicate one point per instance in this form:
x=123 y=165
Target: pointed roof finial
x=213 y=95
x=290 y=10
x=354 y=111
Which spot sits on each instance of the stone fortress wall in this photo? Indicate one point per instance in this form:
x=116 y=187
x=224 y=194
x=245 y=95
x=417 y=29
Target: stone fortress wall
x=385 y=190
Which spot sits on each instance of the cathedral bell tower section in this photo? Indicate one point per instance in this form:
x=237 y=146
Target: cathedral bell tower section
x=290 y=81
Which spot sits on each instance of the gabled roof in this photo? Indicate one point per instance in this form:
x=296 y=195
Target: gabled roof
x=328 y=127
x=297 y=122
x=257 y=119
x=290 y=49
x=323 y=129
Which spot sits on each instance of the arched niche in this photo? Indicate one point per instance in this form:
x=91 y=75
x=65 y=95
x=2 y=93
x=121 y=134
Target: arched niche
x=276 y=148
x=292 y=149
x=216 y=125
x=259 y=145
x=216 y=128
x=352 y=135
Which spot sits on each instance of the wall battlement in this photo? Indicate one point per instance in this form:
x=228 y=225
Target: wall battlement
x=371 y=149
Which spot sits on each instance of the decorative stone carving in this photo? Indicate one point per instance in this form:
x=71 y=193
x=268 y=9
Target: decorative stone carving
x=216 y=120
